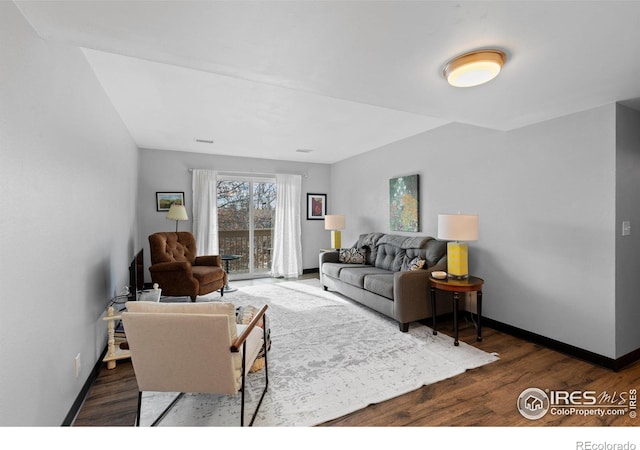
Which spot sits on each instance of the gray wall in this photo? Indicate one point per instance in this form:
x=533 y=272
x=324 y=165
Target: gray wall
x=546 y=199
x=68 y=181
x=168 y=171
x=627 y=247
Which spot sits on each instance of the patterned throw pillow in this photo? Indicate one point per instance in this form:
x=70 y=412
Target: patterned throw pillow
x=417 y=263
x=351 y=256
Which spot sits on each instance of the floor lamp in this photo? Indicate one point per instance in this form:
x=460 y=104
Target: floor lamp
x=177 y=212
x=458 y=229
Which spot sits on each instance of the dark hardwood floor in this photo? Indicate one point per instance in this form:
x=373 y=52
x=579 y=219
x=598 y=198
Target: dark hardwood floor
x=480 y=397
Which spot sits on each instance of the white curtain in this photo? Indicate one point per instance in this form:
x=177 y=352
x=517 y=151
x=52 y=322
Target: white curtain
x=205 y=211
x=287 y=243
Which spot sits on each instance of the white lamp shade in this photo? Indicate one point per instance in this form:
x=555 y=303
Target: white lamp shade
x=334 y=222
x=458 y=227
x=177 y=212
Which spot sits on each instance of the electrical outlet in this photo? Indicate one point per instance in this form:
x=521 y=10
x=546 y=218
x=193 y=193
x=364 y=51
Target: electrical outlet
x=76 y=365
x=626 y=228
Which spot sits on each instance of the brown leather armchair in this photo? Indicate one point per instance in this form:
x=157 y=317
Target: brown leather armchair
x=177 y=269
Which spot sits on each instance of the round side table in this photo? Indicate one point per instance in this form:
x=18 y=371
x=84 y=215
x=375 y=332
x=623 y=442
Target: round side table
x=470 y=284
x=227 y=259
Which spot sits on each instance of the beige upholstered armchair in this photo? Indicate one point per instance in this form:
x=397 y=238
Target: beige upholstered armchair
x=177 y=269
x=193 y=347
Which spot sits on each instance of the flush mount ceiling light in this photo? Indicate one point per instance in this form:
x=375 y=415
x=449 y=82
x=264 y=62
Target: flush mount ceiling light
x=474 y=68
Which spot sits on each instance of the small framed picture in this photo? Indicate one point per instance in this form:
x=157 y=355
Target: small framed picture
x=316 y=206
x=164 y=200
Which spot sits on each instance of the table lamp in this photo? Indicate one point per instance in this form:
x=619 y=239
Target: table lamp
x=335 y=223
x=456 y=228
x=177 y=212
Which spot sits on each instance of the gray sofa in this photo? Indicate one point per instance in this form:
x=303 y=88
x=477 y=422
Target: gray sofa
x=388 y=279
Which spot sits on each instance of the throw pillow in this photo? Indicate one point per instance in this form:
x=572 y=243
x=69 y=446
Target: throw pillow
x=417 y=263
x=244 y=315
x=351 y=256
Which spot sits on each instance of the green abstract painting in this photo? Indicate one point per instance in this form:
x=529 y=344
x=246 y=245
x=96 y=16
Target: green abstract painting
x=404 y=203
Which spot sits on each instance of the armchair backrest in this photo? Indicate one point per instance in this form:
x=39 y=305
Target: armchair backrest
x=170 y=247
x=183 y=347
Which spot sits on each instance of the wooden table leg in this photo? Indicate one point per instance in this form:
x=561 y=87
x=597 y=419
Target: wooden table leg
x=433 y=308
x=111 y=339
x=479 y=311
x=456 y=298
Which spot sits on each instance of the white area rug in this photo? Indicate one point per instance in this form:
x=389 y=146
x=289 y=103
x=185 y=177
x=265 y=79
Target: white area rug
x=329 y=357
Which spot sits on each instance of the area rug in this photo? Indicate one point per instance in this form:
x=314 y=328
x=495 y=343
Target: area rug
x=329 y=357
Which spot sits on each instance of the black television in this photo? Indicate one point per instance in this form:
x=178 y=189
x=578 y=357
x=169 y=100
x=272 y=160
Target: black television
x=136 y=276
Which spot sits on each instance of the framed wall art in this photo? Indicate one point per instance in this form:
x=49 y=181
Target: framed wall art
x=404 y=203
x=164 y=200
x=316 y=206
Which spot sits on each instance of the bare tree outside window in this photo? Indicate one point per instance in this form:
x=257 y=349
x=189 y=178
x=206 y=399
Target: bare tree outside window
x=239 y=202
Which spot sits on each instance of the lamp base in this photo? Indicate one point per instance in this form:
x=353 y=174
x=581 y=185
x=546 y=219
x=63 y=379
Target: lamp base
x=458 y=277
x=335 y=239
x=457 y=260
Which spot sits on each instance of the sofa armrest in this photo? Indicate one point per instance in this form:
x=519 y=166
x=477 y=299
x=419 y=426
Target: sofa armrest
x=208 y=260
x=411 y=295
x=237 y=344
x=332 y=256
x=174 y=266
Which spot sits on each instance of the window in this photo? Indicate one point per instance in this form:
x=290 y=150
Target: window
x=246 y=211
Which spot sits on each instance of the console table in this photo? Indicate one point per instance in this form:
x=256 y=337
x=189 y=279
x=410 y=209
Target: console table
x=114 y=352
x=470 y=284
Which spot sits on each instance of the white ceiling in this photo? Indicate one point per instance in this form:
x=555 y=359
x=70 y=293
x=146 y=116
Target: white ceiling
x=265 y=78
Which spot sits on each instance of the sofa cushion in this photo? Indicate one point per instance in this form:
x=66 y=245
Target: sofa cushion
x=434 y=251
x=368 y=244
x=351 y=256
x=415 y=242
x=355 y=275
x=333 y=269
x=381 y=284
x=390 y=257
